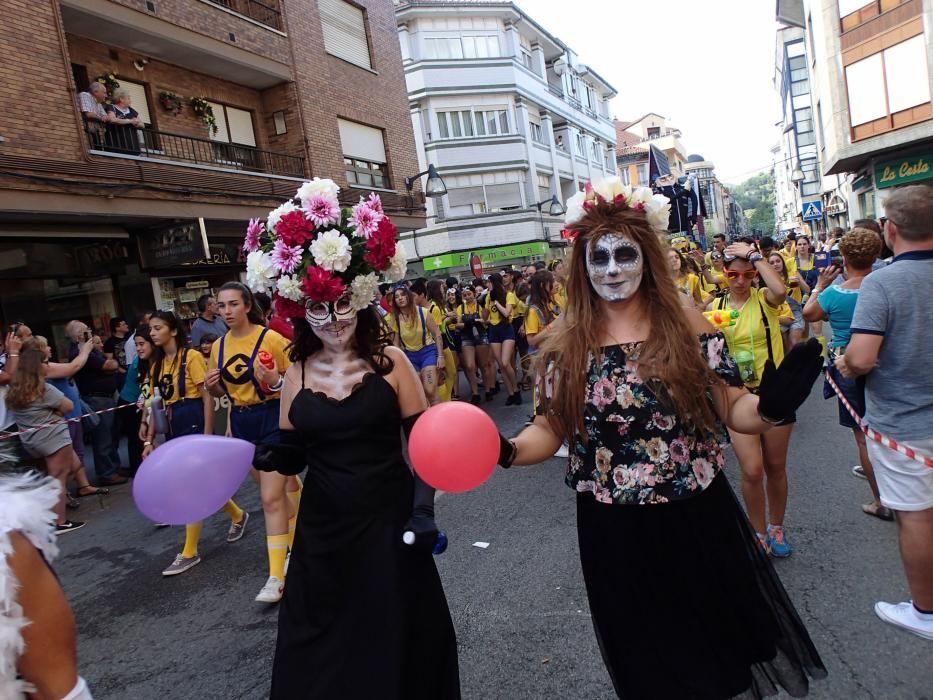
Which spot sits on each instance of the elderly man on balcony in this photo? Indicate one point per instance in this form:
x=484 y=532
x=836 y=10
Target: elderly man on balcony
x=96 y=118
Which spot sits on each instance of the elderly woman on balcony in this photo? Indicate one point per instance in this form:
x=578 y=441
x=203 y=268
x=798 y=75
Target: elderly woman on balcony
x=122 y=135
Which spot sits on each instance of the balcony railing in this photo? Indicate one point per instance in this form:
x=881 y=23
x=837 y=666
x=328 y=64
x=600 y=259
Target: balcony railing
x=161 y=145
x=264 y=12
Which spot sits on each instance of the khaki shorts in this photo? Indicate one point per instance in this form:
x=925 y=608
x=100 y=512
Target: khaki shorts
x=903 y=483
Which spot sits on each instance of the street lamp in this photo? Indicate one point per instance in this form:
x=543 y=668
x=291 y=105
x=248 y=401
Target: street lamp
x=797 y=176
x=555 y=208
x=434 y=187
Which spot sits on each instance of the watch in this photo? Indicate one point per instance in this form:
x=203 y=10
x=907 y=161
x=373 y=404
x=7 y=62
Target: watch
x=754 y=257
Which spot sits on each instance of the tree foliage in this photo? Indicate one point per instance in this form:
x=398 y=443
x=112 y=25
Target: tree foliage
x=756 y=195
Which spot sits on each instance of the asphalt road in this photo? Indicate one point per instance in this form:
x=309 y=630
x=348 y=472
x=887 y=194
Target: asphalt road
x=519 y=606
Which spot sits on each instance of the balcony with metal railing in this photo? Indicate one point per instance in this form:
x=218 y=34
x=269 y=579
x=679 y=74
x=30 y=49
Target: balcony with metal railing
x=160 y=146
x=267 y=12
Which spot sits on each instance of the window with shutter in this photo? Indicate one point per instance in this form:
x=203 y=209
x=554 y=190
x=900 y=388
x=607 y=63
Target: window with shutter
x=139 y=100
x=240 y=124
x=223 y=132
x=344 y=27
x=506 y=195
x=364 y=154
x=464 y=201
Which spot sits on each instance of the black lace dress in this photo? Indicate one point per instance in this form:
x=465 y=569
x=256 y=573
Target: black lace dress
x=684 y=601
x=363 y=615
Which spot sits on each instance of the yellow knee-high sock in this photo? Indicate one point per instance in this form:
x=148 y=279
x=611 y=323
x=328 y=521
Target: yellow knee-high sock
x=278 y=547
x=291 y=531
x=822 y=341
x=233 y=510
x=192 y=535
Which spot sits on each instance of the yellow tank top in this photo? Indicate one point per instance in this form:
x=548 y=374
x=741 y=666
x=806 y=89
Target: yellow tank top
x=748 y=340
x=413 y=333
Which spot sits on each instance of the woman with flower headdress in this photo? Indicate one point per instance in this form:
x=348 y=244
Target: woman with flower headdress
x=364 y=614
x=656 y=517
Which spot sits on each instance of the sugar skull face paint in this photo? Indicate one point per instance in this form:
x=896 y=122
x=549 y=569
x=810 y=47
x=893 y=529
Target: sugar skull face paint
x=319 y=313
x=615 y=265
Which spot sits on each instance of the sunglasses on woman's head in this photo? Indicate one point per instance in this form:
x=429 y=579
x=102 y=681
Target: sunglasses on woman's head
x=735 y=274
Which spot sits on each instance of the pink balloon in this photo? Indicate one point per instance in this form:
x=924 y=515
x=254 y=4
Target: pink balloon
x=191 y=477
x=454 y=446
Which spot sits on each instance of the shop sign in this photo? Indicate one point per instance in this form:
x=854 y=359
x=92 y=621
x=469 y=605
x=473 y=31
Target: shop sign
x=222 y=254
x=862 y=182
x=903 y=170
x=488 y=256
x=103 y=256
x=197 y=284
x=170 y=247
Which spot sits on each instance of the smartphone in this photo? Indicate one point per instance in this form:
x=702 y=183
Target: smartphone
x=835 y=258
x=821 y=260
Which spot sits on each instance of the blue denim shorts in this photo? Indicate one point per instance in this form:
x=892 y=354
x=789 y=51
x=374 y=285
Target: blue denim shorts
x=501 y=333
x=425 y=357
x=258 y=424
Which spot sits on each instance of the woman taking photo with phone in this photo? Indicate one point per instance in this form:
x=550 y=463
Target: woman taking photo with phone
x=177 y=374
x=753 y=341
x=499 y=306
x=247 y=364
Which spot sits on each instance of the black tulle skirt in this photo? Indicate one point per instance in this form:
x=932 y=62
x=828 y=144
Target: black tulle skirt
x=685 y=603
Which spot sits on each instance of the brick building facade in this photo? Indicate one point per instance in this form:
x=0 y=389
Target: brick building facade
x=76 y=218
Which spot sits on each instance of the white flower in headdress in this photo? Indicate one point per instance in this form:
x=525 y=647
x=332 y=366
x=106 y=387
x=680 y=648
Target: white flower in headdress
x=398 y=266
x=289 y=287
x=260 y=271
x=610 y=188
x=324 y=187
x=575 y=210
x=659 y=212
x=331 y=250
x=278 y=213
x=363 y=290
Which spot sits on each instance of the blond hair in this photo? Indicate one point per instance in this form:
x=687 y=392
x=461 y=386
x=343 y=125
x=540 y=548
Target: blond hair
x=860 y=247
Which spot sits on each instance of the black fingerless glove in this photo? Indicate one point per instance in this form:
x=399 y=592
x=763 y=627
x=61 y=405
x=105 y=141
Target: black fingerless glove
x=287 y=457
x=420 y=530
x=784 y=389
x=507 y=452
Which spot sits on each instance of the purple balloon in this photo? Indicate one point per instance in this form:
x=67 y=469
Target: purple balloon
x=191 y=477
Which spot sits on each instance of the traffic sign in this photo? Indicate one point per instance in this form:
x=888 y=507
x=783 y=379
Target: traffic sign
x=813 y=211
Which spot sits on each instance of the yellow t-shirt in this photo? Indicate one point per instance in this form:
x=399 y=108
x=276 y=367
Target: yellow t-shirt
x=465 y=308
x=169 y=376
x=234 y=365
x=437 y=313
x=747 y=341
x=789 y=254
x=560 y=295
x=494 y=316
x=784 y=311
x=535 y=321
x=690 y=285
x=518 y=311
x=414 y=334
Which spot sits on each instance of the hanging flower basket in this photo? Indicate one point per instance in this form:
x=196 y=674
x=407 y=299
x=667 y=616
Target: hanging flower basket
x=109 y=81
x=205 y=112
x=171 y=102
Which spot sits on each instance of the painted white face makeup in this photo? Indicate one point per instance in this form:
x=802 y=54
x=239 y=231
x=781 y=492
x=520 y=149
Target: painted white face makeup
x=336 y=335
x=320 y=313
x=615 y=265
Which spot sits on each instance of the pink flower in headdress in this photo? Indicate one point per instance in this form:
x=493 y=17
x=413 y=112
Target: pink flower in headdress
x=286 y=258
x=253 y=231
x=322 y=210
x=321 y=285
x=365 y=219
x=375 y=203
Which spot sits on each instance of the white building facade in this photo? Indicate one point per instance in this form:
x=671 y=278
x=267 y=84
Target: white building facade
x=510 y=117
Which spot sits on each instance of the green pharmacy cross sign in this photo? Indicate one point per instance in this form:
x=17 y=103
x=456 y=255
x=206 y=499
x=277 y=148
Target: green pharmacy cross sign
x=489 y=256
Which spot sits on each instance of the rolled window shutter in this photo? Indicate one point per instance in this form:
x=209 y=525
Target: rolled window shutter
x=344 y=29
x=138 y=98
x=220 y=117
x=363 y=142
x=502 y=196
x=241 y=126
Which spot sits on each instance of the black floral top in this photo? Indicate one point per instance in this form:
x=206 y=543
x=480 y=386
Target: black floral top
x=638 y=451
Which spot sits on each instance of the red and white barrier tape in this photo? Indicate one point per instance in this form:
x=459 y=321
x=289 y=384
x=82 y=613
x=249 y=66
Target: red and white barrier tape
x=874 y=434
x=24 y=431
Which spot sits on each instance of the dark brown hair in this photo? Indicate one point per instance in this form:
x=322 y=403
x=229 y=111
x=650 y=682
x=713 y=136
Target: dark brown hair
x=27 y=384
x=670 y=357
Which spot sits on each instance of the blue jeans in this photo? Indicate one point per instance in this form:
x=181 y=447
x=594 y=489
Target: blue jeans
x=106 y=457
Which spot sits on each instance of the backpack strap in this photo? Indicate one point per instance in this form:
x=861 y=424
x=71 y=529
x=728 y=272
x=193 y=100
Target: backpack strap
x=181 y=375
x=764 y=320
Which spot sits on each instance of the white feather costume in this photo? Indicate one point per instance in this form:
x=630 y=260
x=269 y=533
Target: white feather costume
x=26 y=503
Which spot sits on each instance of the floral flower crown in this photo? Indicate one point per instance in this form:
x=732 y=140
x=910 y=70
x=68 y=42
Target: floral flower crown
x=309 y=249
x=656 y=207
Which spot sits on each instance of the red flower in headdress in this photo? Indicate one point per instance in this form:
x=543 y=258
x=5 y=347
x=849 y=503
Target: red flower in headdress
x=294 y=229
x=380 y=247
x=286 y=308
x=322 y=285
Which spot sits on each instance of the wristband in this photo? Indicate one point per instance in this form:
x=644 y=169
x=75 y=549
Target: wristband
x=148 y=443
x=278 y=385
x=12 y=355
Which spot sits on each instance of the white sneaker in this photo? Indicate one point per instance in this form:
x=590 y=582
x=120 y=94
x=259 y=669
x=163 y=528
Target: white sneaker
x=563 y=451
x=272 y=591
x=906 y=616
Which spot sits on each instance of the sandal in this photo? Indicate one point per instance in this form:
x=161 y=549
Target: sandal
x=84 y=493
x=879 y=511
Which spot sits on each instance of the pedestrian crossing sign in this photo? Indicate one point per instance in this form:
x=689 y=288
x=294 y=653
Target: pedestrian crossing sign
x=813 y=211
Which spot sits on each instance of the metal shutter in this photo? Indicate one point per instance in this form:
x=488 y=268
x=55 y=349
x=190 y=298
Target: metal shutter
x=344 y=29
x=363 y=142
x=241 y=126
x=138 y=99
x=502 y=196
x=220 y=117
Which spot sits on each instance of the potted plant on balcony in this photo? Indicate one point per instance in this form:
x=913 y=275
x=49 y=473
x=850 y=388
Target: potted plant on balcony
x=171 y=102
x=109 y=81
x=205 y=112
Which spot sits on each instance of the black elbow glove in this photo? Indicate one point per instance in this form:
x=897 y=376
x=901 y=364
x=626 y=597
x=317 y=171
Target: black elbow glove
x=287 y=457
x=420 y=530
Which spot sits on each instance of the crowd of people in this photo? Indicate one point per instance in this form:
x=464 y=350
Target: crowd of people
x=614 y=340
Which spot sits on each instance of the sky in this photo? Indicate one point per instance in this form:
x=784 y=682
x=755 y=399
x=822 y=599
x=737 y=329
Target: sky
x=708 y=67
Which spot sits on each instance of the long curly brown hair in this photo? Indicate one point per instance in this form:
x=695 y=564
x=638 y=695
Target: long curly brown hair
x=669 y=360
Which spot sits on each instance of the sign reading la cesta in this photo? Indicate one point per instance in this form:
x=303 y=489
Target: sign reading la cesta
x=903 y=170
x=489 y=256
